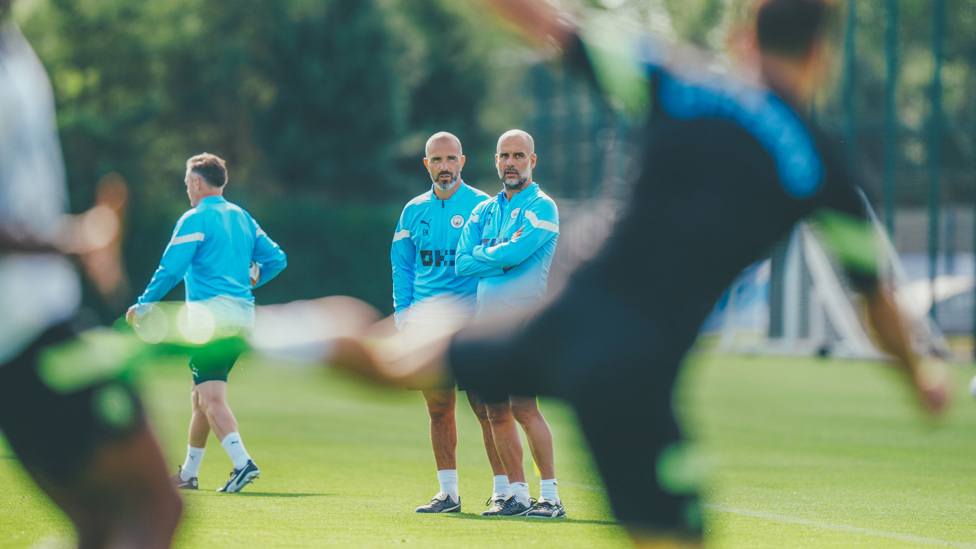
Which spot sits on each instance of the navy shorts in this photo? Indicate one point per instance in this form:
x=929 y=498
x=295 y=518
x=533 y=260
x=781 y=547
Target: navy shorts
x=56 y=429
x=617 y=369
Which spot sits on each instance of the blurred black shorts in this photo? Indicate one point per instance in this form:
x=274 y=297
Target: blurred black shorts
x=616 y=367
x=56 y=429
x=214 y=361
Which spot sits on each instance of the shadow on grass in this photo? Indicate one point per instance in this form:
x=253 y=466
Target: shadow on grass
x=541 y=520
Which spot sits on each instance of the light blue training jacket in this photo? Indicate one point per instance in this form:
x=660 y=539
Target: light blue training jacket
x=512 y=272
x=211 y=250
x=423 y=251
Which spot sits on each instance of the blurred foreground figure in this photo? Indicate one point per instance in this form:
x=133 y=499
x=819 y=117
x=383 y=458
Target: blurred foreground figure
x=74 y=422
x=728 y=167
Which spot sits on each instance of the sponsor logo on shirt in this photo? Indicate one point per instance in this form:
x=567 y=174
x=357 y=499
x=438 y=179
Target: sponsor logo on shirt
x=437 y=258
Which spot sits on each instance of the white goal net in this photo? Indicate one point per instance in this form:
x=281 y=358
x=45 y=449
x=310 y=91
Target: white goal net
x=799 y=302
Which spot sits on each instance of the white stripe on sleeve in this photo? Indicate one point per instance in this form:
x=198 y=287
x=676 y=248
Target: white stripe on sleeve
x=541 y=224
x=192 y=237
x=405 y=233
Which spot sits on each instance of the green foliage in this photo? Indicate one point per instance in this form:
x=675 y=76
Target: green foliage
x=339 y=102
x=312 y=104
x=316 y=103
x=325 y=98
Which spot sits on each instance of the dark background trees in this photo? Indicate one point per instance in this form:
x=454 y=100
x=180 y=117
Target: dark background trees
x=322 y=108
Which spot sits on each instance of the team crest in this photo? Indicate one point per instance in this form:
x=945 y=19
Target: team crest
x=457 y=221
x=515 y=212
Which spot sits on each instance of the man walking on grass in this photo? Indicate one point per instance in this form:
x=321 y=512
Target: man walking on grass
x=221 y=254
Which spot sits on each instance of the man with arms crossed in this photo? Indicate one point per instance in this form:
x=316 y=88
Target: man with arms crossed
x=508 y=244
x=74 y=421
x=212 y=249
x=427 y=292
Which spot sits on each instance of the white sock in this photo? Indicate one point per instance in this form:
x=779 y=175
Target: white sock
x=191 y=466
x=548 y=491
x=501 y=489
x=448 y=479
x=521 y=492
x=235 y=449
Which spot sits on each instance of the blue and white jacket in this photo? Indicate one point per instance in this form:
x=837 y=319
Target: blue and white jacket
x=512 y=271
x=211 y=251
x=423 y=256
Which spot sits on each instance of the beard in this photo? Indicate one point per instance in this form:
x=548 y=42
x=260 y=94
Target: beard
x=519 y=183
x=450 y=184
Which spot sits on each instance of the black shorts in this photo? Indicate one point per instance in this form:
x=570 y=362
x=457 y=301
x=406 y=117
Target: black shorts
x=616 y=367
x=56 y=429
x=214 y=361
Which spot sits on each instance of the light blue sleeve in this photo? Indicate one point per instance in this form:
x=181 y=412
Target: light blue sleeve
x=269 y=256
x=403 y=257
x=541 y=224
x=182 y=246
x=464 y=262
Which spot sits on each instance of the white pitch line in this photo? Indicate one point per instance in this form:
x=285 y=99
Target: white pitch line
x=842 y=528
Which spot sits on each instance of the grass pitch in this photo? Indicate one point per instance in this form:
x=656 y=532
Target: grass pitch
x=803 y=453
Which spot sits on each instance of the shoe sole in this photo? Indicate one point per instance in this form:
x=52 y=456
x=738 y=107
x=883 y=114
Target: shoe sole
x=456 y=509
x=522 y=514
x=248 y=478
x=554 y=515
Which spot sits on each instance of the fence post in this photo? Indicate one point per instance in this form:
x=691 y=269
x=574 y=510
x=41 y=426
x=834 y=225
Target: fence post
x=891 y=124
x=850 y=71
x=935 y=141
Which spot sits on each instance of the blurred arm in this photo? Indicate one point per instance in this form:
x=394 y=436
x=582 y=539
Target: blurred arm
x=853 y=241
x=891 y=332
x=536 y=20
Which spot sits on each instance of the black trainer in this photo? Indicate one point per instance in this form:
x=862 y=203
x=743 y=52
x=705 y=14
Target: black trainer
x=546 y=509
x=442 y=503
x=181 y=484
x=239 y=478
x=507 y=508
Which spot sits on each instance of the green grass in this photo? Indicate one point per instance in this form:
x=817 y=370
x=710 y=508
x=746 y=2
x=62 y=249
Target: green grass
x=803 y=453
